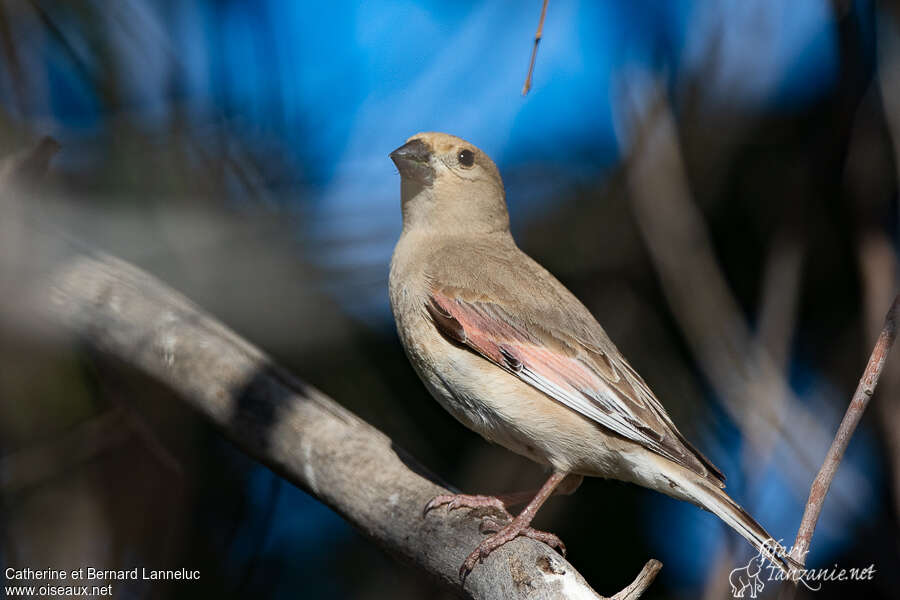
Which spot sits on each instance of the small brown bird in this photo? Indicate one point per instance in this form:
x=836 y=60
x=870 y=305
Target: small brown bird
x=513 y=354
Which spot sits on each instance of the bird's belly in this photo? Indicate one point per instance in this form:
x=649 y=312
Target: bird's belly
x=460 y=389
x=507 y=411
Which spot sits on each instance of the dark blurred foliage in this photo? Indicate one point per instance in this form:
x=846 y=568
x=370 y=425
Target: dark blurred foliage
x=238 y=151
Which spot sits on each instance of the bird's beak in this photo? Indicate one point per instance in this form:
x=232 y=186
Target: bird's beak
x=414 y=150
x=413 y=160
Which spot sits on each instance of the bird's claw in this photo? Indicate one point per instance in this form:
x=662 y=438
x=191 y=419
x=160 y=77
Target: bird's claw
x=502 y=535
x=489 y=525
x=477 y=556
x=503 y=527
x=454 y=501
x=546 y=537
x=492 y=525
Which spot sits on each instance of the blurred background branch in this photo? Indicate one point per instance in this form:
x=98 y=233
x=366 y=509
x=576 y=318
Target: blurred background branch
x=737 y=364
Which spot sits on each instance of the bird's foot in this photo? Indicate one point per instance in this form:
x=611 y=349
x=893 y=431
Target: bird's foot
x=491 y=525
x=454 y=501
x=504 y=534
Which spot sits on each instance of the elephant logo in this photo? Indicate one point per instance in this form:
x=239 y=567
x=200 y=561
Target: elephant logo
x=747 y=578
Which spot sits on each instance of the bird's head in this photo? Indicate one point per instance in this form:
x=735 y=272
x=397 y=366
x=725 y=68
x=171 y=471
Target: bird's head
x=449 y=184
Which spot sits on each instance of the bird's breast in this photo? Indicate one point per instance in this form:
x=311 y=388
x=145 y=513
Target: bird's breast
x=482 y=396
x=451 y=373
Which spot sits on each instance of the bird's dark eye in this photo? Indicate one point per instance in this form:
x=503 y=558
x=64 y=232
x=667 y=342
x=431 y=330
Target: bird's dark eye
x=466 y=158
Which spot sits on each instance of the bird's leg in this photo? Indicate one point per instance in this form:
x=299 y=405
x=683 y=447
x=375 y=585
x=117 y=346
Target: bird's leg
x=520 y=525
x=500 y=502
x=565 y=487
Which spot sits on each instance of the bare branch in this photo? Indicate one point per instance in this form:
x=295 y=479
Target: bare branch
x=877 y=256
x=854 y=413
x=289 y=426
x=641 y=582
x=537 y=40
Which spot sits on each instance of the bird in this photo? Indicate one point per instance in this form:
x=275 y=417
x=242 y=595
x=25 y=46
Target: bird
x=513 y=355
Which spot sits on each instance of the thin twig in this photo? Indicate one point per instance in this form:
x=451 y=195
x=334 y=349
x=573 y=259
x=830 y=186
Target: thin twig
x=537 y=40
x=854 y=413
x=878 y=271
x=878 y=261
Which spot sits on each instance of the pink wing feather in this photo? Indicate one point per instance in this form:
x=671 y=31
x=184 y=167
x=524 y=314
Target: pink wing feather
x=600 y=385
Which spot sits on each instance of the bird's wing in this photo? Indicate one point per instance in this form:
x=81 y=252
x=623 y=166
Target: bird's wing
x=596 y=382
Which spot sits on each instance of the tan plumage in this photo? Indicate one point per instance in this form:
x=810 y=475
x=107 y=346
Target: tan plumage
x=515 y=356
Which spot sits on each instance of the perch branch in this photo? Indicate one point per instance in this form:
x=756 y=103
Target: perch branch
x=284 y=423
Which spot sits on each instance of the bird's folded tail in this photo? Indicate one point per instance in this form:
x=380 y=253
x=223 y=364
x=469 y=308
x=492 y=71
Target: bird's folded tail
x=715 y=500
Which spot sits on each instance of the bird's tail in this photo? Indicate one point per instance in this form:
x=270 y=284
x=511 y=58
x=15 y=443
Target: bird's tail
x=710 y=497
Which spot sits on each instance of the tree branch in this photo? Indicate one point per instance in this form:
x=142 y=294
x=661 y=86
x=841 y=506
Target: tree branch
x=854 y=413
x=291 y=427
x=641 y=582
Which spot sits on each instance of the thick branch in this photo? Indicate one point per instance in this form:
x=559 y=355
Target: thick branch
x=294 y=429
x=854 y=413
x=284 y=423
